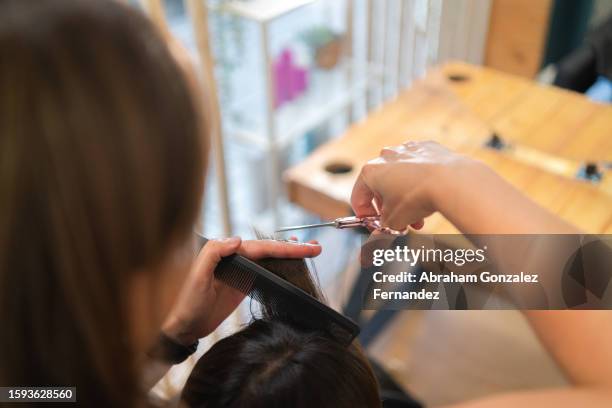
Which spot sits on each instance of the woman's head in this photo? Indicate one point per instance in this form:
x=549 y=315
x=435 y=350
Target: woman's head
x=102 y=160
x=277 y=362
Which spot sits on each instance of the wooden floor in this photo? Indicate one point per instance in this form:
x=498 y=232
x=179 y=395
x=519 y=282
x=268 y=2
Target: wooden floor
x=443 y=357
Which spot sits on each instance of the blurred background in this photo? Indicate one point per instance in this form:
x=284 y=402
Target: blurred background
x=332 y=62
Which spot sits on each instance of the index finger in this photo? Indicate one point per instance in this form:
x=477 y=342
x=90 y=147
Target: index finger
x=278 y=249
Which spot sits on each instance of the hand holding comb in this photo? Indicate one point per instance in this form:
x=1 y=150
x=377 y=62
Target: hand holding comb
x=287 y=300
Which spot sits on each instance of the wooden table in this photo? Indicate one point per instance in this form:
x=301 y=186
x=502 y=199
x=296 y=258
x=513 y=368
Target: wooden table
x=551 y=132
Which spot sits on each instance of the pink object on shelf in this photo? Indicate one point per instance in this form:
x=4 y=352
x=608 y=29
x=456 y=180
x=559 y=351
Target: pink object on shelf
x=290 y=81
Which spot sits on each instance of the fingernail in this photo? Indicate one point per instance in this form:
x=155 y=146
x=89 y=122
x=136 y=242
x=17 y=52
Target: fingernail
x=309 y=244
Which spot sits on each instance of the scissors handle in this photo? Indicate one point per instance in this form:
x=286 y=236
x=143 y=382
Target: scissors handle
x=367 y=222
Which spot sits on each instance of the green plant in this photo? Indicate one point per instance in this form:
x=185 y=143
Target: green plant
x=318 y=36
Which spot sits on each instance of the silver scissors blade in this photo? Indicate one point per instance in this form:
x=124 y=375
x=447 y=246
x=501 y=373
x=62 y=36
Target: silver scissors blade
x=300 y=227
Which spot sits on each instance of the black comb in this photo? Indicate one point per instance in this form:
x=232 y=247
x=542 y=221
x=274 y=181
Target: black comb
x=287 y=299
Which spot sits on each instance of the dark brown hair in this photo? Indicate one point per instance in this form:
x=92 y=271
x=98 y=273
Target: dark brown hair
x=275 y=362
x=101 y=172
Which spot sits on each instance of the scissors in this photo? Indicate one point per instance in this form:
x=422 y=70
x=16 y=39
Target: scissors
x=349 y=222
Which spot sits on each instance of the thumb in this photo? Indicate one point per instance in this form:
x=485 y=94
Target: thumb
x=214 y=250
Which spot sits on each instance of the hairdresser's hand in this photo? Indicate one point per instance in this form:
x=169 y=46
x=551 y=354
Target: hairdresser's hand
x=205 y=302
x=405 y=180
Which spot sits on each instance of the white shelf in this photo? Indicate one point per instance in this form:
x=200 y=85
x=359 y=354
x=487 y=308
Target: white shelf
x=329 y=93
x=263 y=10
